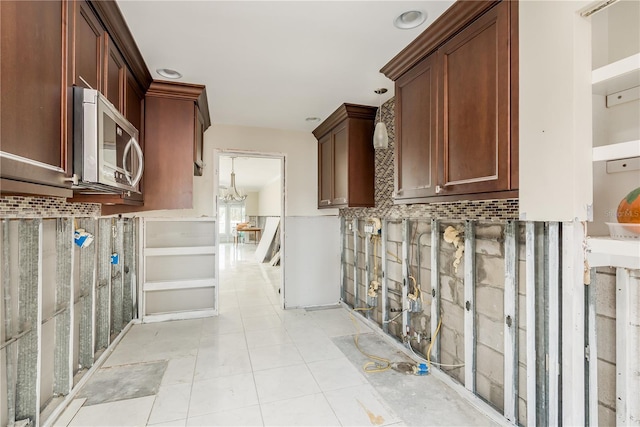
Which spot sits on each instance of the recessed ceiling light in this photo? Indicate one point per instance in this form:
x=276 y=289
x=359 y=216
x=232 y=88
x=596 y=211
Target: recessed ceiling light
x=313 y=119
x=410 y=19
x=168 y=73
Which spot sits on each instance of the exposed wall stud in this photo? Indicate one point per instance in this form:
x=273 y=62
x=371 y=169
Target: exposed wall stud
x=87 y=260
x=573 y=341
x=117 y=278
x=470 y=304
x=592 y=353
x=553 y=303
x=385 y=303
x=128 y=269
x=531 y=254
x=356 y=273
x=343 y=261
x=63 y=360
x=626 y=379
x=367 y=269
x=10 y=355
x=511 y=322
x=103 y=283
x=29 y=316
x=406 y=226
x=435 y=287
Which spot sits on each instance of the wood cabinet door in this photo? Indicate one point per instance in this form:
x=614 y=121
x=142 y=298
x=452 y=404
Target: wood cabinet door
x=198 y=143
x=33 y=134
x=114 y=74
x=474 y=141
x=340 y=138
x=416 y=131
x=88 y=42
x=325 y=170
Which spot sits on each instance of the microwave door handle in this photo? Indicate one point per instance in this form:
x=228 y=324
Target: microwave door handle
x=138 y=150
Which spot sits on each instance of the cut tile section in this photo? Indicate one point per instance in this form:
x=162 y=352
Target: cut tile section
x=171 y=404
x=123 y=413
x=360 y=406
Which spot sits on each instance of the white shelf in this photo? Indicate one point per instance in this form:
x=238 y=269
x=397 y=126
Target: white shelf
x=617 y=76
x=194 y=250
x=608 y=252
x=618 y=151
x=178 y=284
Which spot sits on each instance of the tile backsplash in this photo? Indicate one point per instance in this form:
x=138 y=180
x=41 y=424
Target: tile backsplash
x=45 y=207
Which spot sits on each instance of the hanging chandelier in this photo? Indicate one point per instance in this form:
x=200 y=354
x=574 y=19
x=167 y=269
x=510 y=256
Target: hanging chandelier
x=232 y=194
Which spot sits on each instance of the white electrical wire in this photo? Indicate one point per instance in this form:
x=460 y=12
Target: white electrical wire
x=432 y=362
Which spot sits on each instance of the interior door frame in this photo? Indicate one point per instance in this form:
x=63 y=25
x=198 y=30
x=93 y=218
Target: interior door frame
x=222 y=152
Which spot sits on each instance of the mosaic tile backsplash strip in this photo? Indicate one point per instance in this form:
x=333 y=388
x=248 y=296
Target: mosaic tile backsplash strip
x=45 y=207
x=483 y=210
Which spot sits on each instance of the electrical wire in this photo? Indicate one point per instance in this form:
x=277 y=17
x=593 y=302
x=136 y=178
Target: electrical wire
x=369 y=367
x=417 y=356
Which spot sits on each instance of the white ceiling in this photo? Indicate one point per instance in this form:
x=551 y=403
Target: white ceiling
x=274 y=63
x=252 y=173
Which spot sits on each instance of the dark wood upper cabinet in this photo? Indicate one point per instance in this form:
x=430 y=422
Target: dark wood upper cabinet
x=88 y=44
x=474 y=141
x=47 y=48
x=456 y=106
x=416 y=151
x=171 y=129
x=34 y=147
x=114 y=73
x=346 y=158
x=198 y=142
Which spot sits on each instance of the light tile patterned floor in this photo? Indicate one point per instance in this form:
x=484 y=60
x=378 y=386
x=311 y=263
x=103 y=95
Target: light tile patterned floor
x=254 y=364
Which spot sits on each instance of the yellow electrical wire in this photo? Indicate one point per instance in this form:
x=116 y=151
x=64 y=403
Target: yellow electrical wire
x=433 y=339
x=369 y=367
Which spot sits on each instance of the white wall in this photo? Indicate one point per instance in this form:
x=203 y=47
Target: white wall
x=252 y=204
x=269 y=199
x=301 y=168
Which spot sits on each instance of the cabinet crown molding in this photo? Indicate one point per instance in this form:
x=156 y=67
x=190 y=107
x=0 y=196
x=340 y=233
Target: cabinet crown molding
x=453 y=20
x=351 y=111
x=111 y=16
x=185 y=91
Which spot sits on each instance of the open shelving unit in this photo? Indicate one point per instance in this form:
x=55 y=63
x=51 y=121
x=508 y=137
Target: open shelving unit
x=616 y=89
x=179 y=269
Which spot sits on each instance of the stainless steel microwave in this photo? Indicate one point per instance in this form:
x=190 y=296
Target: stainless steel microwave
x=106 y=155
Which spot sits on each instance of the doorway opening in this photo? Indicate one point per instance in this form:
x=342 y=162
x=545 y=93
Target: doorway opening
x=250 y=206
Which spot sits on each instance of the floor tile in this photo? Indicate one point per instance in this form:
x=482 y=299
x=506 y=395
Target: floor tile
x=219 y=362
x=274 y=357
x=174 y=423
x=69 y=412
x=123 y=413
x=257 y=311
x=334 y=374
x=312 y=410
x=222 y=394
x=179 y=371
x=285 y=383
x=268 y=337
x=249 y=416
x=260 y=323
x=172 y=403
x=359 y=406
x=319 y=349
x=236 y=341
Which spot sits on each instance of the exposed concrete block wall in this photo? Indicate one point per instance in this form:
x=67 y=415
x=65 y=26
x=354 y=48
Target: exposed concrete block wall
x=490 y=278
x=606 y=344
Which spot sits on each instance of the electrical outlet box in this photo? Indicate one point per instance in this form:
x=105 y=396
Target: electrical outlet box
x=372 y=226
